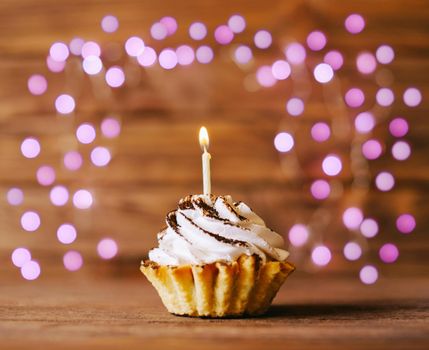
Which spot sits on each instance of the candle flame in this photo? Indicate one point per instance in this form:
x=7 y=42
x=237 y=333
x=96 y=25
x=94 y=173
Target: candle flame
x=204 y=138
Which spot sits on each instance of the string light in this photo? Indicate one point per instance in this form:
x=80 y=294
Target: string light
x=109 y=24
x=66 y=234
x=72 y=260
x=316 y=40
x=263 y=39
x=368 y=274
x=107 y=248
x=321 y=255
x=223 y=35
x=167 y=59
x=15 y=196
x=298 y=235
x=267 y=76
x=20 y=256
x=412 y=97
x=30 y=270
x=197 y=31
x=283 y=142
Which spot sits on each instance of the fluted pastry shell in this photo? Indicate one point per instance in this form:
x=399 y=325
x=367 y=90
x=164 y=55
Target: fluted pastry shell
x=221 y=289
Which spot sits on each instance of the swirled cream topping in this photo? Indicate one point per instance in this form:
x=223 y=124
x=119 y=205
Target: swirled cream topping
x=204 y=229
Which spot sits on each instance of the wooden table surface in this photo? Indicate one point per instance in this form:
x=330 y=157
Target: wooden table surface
x=324 y=312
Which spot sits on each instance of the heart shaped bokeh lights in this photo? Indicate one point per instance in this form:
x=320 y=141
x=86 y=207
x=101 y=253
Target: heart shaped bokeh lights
x=312 y=61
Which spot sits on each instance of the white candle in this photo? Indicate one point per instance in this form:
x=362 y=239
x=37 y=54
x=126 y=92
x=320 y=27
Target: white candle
x=204 y=143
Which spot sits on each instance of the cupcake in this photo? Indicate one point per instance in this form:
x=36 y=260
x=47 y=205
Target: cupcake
x=216 y=258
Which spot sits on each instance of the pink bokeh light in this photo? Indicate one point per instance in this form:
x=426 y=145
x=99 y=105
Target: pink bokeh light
x=354 y=23
x=223 y=34
x=109 y=24
x=352 y=251
x=385 y=54
x=76 y=45
x=82 y=199
x=167 y=59
x=65 y=104
x=401 y=150
x=372 y=149
x=59 y=51
x=320 y=132
x=405 y=223
x=368 y=274
x=30 y=147
x=197 y=31
x=170 y=24
x=72 y=260
x=237 y=23
x=92 y=65
x=281 y=70
x=107 y=248
x=321 y=255
x=320 y=189
x=398 y=127
x=158 y=31
x=59 y=195
x=295 y=106
x=90 y=48
x=115 y=77
x=369 y=228
x=15 y=196
x=384 y=181
x=298 y=235
x=110 y=127
x=283 y=142
x=30 y=221
x=66 y=233
x=385 y=97
x=354 y=97
x=316 y=40
x=20 y=256
x=30 y=270
x=332 y=165
x=366 y=63
x=204 y=54
x=412 y=97
x=45 y=175
x=263 y=39
x=295 y=53
x=37 y=84
x=100 y=156
x=334 y=59
x=148 y=57
x=323 y=73
x=72 y=160
x=388 y=253
x=185 y=55
x=352 y=218
x=134 y=46
x=85 y=133
x=264 y=76
x=243 y=54
x=55 y=66
x=364 y=122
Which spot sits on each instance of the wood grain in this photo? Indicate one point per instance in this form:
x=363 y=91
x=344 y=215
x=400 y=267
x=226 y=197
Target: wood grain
x=322 y=312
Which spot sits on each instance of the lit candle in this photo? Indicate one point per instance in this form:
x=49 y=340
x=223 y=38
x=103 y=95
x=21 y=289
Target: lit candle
x=204 y=143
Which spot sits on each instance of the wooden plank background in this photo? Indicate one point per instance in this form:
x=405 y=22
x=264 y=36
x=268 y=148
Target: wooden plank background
x=156 y=160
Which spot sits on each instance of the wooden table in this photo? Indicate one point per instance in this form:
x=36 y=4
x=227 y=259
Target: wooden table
x=310 y=312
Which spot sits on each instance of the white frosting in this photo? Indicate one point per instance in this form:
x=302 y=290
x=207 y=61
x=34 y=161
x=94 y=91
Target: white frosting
x=205 y=229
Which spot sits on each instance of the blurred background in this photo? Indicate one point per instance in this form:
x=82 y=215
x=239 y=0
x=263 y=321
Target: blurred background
x=316 y=110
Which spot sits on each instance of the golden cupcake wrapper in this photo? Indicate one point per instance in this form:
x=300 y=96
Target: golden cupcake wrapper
x=220 y=289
